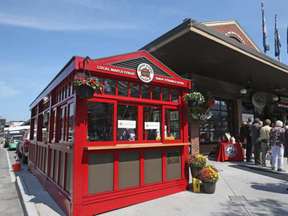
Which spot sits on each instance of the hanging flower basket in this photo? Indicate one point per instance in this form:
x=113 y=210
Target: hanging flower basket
x=194 y=99
x=85 y=92
x=193 y=104
x=202 y=112
x=86 y=87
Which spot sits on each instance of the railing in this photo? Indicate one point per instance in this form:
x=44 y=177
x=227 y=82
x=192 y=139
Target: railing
x=55 y=160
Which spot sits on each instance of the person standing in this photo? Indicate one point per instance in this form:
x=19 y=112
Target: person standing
x=277 y=142
x=255 y=134
x=248 y=139
x=242 y=138
x=264 y=135
x=286 y=140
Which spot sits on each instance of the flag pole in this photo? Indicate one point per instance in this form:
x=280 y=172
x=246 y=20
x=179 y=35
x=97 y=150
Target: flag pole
x=264 y=29
x=277 y=39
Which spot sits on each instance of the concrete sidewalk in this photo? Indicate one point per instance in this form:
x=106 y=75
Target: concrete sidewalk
x=34 y=198
x=263 y=190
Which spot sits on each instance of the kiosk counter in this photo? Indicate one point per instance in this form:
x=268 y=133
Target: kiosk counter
x=126 y=145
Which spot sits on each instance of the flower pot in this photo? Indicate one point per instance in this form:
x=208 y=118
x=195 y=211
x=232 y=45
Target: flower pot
x=193 y=104
x=195 y=171
x=209 y=187
x=85 y=92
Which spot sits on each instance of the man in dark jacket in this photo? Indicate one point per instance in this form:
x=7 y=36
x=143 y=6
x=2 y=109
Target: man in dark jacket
x=248 y=139
x=256 y=142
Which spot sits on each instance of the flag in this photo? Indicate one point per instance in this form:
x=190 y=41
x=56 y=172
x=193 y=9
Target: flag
x=277 y=38
x=265 y=33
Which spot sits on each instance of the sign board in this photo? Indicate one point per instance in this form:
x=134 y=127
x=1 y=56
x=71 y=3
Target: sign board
x=282 y=105
x=152 y=125
x=145 y=73
x=231 y=150
x=246 y=116
x=259 y=100
x=126 y=124
x=284 y=99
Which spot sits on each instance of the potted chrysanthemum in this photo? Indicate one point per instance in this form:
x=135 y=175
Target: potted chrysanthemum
x=196 y=162
x=86 y=87
x=209 y=176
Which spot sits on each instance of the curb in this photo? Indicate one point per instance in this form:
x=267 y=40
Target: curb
x=12 y=174
x=28 y=207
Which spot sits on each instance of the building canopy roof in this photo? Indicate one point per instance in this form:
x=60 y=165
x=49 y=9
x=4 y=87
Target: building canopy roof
x=193 y=47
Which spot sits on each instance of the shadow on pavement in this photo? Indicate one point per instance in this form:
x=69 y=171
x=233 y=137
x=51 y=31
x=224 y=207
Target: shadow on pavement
x=259 y=207
x=260 y=170
x=269 y=187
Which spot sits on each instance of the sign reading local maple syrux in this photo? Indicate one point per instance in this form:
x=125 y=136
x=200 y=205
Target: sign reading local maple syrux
x=283 y=99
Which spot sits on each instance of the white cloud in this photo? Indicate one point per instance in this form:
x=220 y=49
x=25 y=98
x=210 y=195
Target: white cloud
x=7 y=90
x=47 y=23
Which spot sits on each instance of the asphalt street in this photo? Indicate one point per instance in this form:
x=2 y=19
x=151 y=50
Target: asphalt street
x=9 y=200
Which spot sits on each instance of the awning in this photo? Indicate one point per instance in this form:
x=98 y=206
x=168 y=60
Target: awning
x=195 y=48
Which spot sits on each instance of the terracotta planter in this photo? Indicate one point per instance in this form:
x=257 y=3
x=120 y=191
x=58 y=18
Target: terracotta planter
x=193 y=104
x=195 y=171
x=209 y=187
x=85 y=92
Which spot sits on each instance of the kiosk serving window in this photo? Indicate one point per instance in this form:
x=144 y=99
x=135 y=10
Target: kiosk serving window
x=172 y=124
x=127 y=122
x=100 y=121
x=151 y=123
x=132 y=122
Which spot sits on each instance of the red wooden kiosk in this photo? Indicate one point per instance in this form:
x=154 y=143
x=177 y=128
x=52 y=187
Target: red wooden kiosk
x=124 y=146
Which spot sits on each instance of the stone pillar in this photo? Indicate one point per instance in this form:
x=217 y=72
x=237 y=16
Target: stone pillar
x=194 y=133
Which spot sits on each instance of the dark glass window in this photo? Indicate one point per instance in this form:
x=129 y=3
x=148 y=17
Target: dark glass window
x=54 y=125
x=45 y=127
x=127 y=117
x=165 y=94
x=46 y=102
x=35 y=129
x=155 y=93
x=71 y=90
x=62 y=116
x=175 y=95
x=134 y=90
x=172 y=124
x=145 y=91
x=110 y=86
x=214 y=129
x=71 y=123
x=123 y=88
x=100 y=121
x=151 y=123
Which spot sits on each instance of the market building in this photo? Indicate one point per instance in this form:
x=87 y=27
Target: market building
x=128 y=143
x=222 y=59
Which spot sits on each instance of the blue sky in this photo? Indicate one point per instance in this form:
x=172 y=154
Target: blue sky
x=38 y=37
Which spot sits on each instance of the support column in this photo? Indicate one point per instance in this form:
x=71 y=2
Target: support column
x=237 y=115
x=194 y=136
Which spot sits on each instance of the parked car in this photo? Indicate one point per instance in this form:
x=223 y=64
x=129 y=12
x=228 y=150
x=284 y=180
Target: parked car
x=14 y=141
x=8 y=138
x=23 y=147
